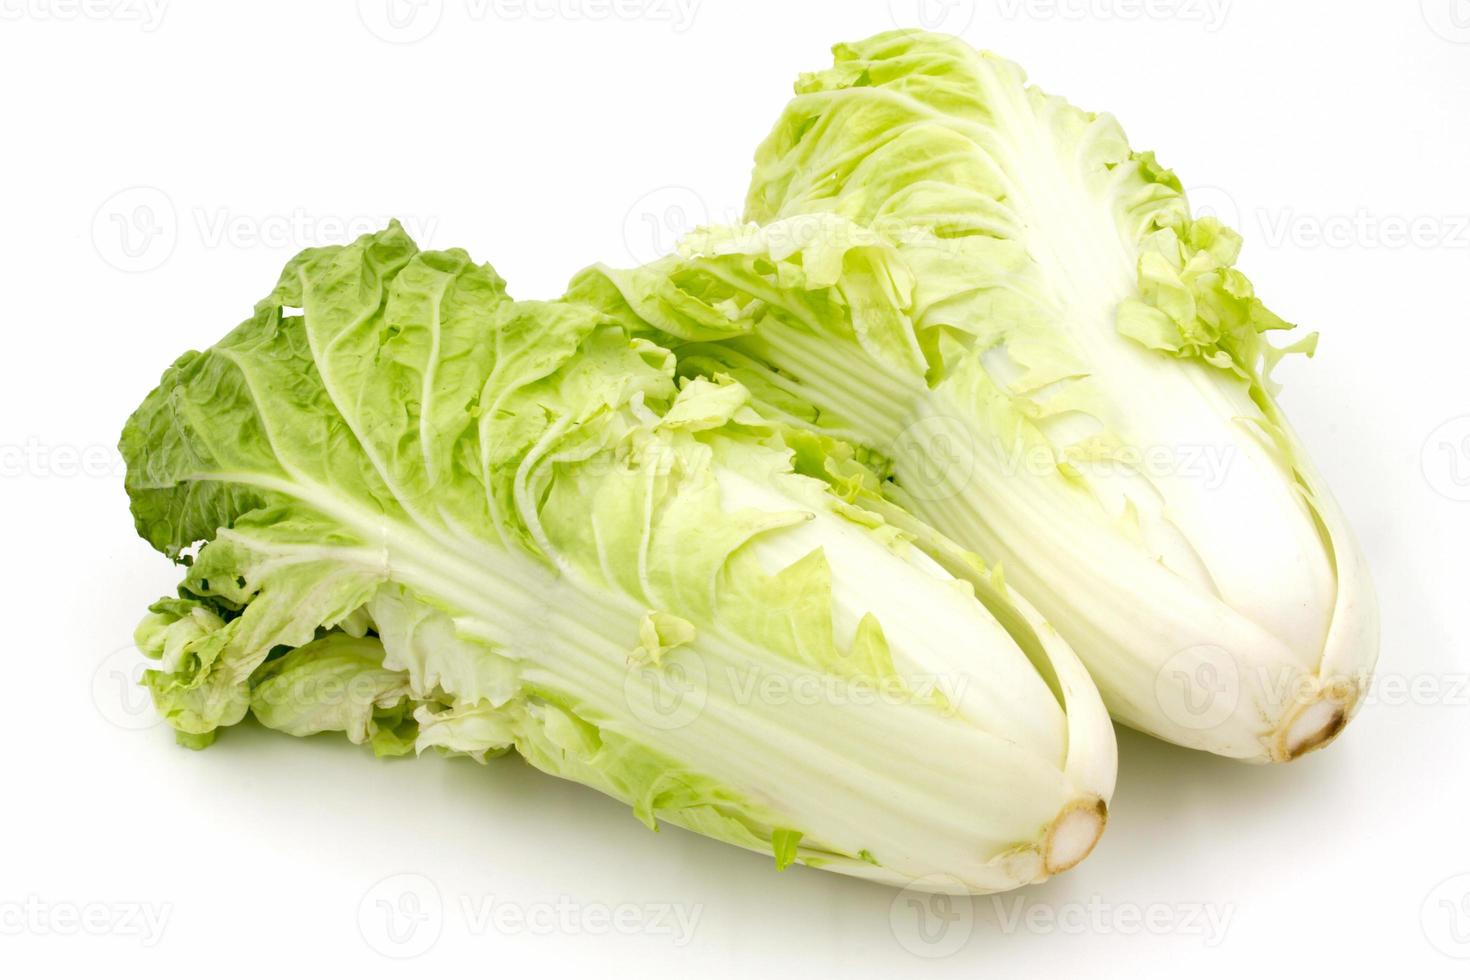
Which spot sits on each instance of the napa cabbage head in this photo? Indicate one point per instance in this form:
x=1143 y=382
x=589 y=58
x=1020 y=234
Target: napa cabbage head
x=418 y=513
x=1064 y=369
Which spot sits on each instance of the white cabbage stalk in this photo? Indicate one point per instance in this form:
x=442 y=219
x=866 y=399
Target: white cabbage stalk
x=1067 y=375
x=433 y=518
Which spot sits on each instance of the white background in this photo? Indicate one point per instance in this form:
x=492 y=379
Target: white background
x=160 y=164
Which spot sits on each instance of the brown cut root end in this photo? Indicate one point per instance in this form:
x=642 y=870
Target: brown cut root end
x=1073 y=834
x=1310 y=727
